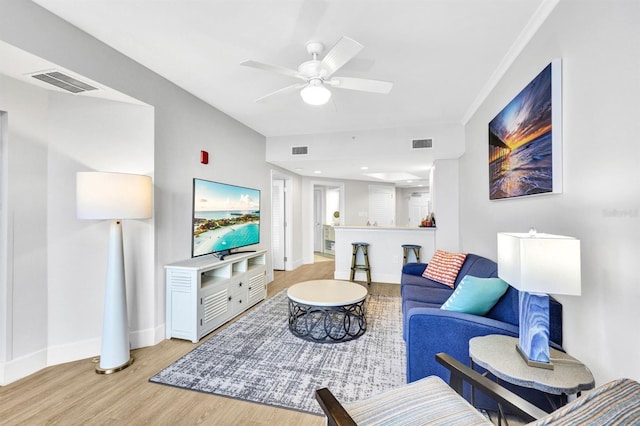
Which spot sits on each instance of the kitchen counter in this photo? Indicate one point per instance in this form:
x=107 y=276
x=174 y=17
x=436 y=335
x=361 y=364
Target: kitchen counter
x=385 y=249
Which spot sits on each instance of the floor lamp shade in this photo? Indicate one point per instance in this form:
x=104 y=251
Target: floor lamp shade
x=103 y=195
x=538 y=265
x=114 y=196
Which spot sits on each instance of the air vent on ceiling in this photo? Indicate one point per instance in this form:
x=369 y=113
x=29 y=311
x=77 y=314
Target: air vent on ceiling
x=299 y=150
x=422 y=143
x=64 y=81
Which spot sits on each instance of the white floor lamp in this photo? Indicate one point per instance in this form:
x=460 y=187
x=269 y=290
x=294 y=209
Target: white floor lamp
x=114 y=196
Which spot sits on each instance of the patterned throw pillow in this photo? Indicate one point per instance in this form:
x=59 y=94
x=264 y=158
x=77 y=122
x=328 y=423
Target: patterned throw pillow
x=444 y=267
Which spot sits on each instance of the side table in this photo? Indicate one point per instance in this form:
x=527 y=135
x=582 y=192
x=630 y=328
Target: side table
x=498 y=355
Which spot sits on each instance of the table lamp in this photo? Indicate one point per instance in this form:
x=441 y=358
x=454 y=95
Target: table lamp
x=536 y=265
x=114 y=196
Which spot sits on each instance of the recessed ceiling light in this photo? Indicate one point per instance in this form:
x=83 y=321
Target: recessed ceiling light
x=298 y=169
x=317 y=172
x=364 y=168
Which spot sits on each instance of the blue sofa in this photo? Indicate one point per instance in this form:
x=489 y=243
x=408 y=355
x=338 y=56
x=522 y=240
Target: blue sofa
x=429 y=330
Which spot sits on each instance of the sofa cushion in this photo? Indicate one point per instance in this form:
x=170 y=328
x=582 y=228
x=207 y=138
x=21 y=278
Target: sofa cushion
x=444 y=267
x=426 y=401
x=476 y=295
x=427 y=293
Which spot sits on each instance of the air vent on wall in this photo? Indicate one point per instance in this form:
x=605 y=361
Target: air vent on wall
x=64 y=81
x=299 y=150
x=422 y=143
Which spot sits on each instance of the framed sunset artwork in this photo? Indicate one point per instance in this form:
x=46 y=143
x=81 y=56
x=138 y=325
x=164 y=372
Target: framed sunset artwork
x=525 y=140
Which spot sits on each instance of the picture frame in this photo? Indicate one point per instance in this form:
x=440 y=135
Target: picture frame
x=525 y=139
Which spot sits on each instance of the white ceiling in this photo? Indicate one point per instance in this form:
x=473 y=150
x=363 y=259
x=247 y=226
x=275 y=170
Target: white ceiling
x=441 y=55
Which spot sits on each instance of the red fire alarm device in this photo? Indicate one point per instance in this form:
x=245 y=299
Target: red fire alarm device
x=204 y=157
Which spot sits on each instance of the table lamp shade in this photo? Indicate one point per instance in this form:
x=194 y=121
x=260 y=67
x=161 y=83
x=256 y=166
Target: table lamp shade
x=540 y=263
x=536 y=265
x=102 y=195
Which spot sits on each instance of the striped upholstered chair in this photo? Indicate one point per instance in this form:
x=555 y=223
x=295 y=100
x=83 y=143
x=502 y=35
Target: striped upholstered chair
x=430 y=401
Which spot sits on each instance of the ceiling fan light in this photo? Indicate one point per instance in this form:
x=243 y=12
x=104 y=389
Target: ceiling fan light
x=315 y=94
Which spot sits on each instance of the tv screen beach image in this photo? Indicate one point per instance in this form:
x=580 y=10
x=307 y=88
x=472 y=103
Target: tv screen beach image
x=224 y=217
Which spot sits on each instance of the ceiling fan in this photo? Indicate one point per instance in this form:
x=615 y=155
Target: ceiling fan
x=317 y=74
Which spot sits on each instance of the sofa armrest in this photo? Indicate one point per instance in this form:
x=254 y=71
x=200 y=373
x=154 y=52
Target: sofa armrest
x=432 y=330
x=414 y=268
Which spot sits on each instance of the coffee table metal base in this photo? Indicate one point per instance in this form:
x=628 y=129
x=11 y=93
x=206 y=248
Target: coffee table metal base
x=327 y=324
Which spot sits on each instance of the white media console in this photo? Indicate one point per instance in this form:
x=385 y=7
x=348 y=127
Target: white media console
x=204 y=292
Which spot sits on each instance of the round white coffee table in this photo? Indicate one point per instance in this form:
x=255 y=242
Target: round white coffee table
x=327 y=310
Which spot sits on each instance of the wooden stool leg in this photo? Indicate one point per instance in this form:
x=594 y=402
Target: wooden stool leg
x=366 y=264
x=353 y=263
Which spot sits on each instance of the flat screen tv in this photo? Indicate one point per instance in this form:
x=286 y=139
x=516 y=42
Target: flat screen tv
x=225 y=217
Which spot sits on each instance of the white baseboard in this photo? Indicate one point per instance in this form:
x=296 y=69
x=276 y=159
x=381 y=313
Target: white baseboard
x=73 y=351
x=296 y=263
x=24 y=366
x=361 y=276
x=148 y=337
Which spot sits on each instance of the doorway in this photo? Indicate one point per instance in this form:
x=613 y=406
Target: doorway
x=328 y=198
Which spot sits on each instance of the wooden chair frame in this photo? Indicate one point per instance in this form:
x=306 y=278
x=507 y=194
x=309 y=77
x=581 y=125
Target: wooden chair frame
x=460 y=373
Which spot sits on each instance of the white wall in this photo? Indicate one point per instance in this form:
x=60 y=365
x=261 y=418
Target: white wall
x=57 y=260
x=88 y=134
x=24 y=281
x=183 y=125
x=598 y=42
x=445 y=196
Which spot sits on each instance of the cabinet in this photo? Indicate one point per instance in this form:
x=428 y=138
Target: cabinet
x=204 y=292
x=329 y=239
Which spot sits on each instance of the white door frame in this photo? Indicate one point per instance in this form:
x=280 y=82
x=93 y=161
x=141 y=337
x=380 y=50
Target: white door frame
x=319 y=194
x=6 y=253
x=277 y=175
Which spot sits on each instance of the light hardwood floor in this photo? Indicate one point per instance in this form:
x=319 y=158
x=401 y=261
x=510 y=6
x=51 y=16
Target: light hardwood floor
x=73 y=394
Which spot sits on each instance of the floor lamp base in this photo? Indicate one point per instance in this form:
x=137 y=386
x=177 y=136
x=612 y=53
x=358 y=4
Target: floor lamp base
x=100 y=370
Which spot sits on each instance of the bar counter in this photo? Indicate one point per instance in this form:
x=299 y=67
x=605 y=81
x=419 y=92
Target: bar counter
x=385 y=249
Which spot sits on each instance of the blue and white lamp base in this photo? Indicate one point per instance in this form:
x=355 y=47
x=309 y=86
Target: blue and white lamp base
x=533 y=342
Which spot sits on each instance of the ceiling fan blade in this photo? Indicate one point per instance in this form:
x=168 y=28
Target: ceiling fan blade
x=287 y=89
x=362 y=84
x=273 y=68
x=343 y=51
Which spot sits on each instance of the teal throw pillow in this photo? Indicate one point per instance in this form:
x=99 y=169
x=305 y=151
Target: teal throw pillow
x=475 y=295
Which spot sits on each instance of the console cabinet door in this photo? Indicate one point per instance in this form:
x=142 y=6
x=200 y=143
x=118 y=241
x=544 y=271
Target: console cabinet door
x=257 y=288
x=215 y=308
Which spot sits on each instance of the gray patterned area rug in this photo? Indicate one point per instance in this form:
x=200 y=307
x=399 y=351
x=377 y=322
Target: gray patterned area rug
x=257 y=359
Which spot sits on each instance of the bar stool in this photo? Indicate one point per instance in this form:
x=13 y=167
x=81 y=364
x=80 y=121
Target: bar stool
x=359 y=266
x=408 y=248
